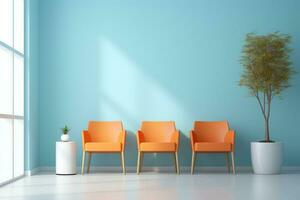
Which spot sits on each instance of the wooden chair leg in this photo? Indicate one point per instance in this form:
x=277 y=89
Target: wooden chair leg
x=123 y=162
x=193 y=162
x=227 y=162
x=89 y=162
x=82 y=162
x=177 y=165
x=138 y=163
x=141 y=161
x=233 y=162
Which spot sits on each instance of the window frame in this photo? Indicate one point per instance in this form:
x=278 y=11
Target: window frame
x=14 y=52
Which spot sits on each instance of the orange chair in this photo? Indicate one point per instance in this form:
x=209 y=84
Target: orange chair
x=212 y=137
x=157 y=137
x=103 y=137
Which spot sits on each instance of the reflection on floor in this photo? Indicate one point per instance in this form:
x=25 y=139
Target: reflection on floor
x=150 y=185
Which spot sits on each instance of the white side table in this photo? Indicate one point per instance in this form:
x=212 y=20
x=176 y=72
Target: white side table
x=65 y=158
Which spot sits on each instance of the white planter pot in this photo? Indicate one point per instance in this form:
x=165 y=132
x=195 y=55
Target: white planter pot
x=64 y=137
x=266 y=157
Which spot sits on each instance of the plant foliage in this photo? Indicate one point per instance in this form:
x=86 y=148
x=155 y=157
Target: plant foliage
x=65 y=129
x=267 y=69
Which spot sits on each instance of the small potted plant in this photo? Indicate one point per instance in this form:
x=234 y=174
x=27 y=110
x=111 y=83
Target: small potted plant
x=267 y=71
x=65 y=136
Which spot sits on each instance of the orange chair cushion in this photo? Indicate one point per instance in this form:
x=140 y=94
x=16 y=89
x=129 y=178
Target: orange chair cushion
x=102 y=131
x=212 y=147
x=158 y=131
x=103 y=146
x=214 y=131
x=157 y=147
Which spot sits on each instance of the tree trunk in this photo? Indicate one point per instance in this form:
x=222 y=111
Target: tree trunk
x=266 y=113
x=267 y=130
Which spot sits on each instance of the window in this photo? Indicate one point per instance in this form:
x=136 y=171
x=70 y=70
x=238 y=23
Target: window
x=11 y=89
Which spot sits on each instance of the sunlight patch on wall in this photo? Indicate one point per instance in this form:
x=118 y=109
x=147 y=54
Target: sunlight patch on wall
x=128 y=93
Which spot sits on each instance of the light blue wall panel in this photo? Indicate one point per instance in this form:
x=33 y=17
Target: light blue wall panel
x=159 y=60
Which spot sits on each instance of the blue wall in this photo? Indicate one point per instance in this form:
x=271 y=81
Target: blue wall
x=159 y=60
x=31 y=84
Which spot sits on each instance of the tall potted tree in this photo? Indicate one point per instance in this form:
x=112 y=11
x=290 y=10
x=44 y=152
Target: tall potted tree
x=267 y=71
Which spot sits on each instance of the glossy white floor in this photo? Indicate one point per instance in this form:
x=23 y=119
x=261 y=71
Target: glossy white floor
x=150 y=185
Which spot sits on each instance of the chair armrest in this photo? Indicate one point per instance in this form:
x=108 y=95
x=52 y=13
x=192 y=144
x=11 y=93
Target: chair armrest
x=193 y=140
x=85 y=138
x=229 y=138
x=139 y=138
x=175 y=138
x=122 y=139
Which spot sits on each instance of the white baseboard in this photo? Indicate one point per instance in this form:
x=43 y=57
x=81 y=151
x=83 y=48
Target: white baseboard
x=132 y=169
x=290 y=168
x=32 y=171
